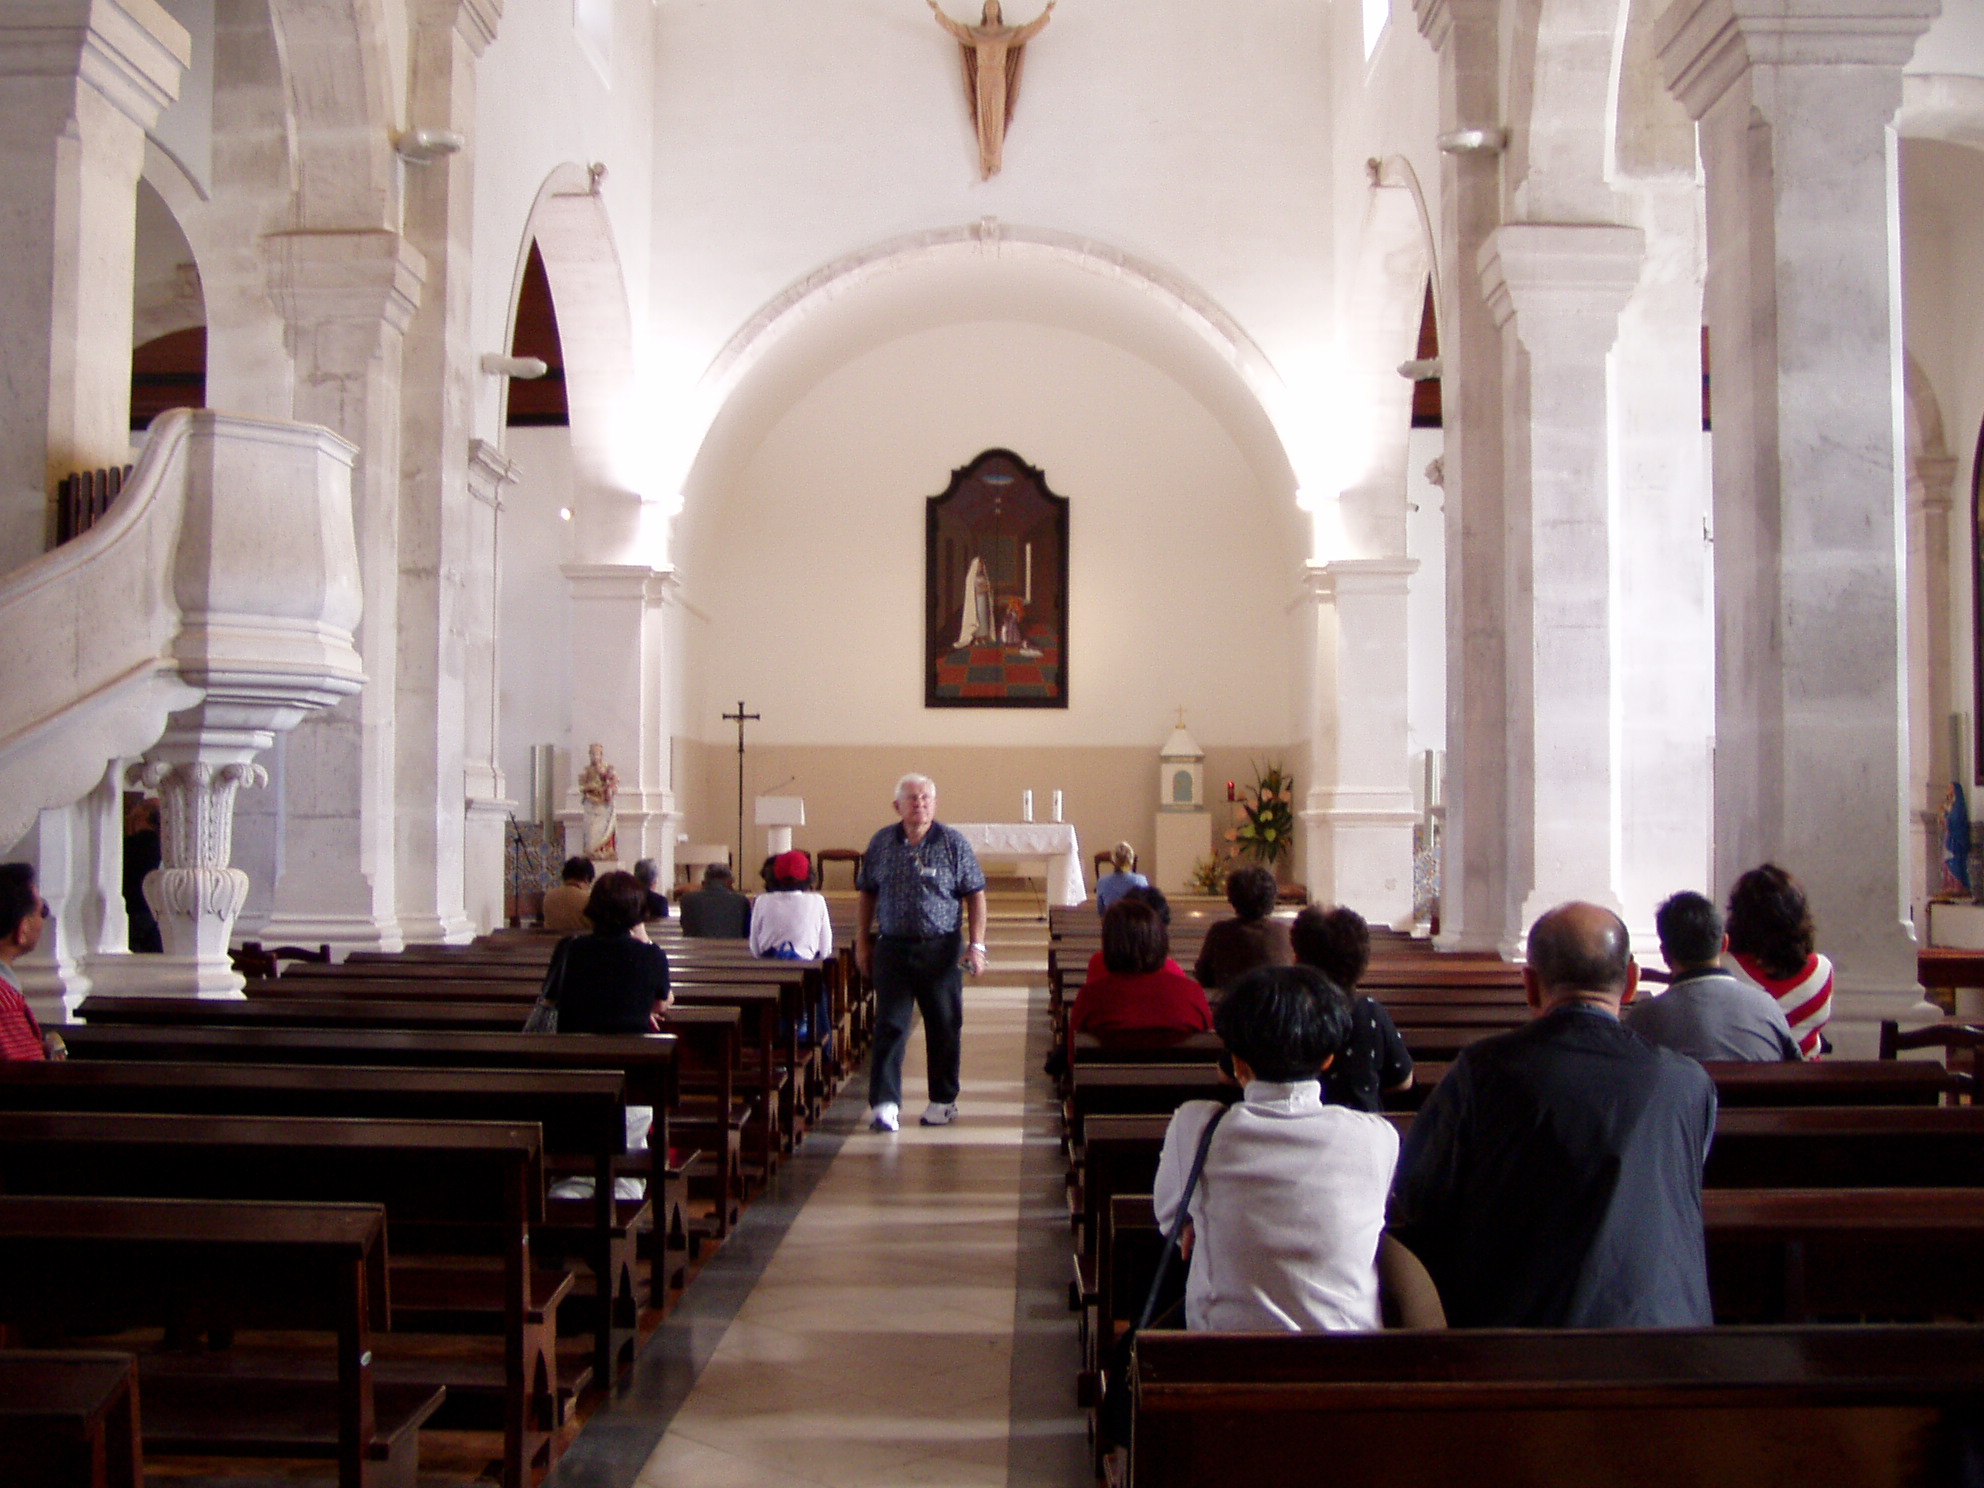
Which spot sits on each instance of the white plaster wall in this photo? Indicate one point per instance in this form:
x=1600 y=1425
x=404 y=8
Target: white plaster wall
x=788 y=137
x=1955 y=43
x=534 y=700
x=810 y=565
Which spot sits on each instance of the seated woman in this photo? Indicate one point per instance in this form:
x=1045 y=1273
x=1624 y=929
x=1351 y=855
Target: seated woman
x=1770 y=934
x=1374 y=1060
x=1138 y=985
x=791 y=922
x=1113 y=886
x=1236 y=946
x=1286 y=1218
x=613 y=980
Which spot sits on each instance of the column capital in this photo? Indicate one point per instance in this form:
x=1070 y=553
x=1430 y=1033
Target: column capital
x=1326 y=581
x=361 y=276
x=489 y=470
x=475 y=20
x=1561 y=270
x=1705 y=46
x=130 y=51
x=1437 y=18
x=632 y=581
x=1936 y=475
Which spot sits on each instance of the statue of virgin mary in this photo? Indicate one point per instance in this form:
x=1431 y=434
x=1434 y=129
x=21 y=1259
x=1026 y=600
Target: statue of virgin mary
x=975 y=624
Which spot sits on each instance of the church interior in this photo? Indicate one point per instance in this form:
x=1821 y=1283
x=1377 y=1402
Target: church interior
x=1534 y=446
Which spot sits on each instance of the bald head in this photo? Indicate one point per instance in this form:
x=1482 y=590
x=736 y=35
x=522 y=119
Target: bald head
x=1579 y=951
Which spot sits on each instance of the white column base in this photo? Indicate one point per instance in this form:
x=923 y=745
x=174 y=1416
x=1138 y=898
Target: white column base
x=484 y=841
x=1359 y=850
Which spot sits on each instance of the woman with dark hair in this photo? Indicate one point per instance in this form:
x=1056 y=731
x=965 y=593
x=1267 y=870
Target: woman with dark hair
x=1770 y=935
x=1286 y=1217
x=614 y=980
x=1337 y=943
x=1235 y=947
x=1138 y=984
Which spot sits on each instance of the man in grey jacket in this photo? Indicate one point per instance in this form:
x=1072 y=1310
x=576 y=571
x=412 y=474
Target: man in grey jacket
x=1706 y=1013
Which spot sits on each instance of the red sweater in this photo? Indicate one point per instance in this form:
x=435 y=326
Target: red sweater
x=1166 y=999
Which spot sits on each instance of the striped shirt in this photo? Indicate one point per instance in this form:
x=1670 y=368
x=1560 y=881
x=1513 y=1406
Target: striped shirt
x=20 y=1034
x=1805 y=997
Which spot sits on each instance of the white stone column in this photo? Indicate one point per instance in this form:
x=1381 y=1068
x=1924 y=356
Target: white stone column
x=1556 y=290
x=618 y=641
x=80 y=83
x=1477 y=895
x=1930 y=479
x=1358 y=816
x=195 y=894
x=1794 y=99
x=489 y=807
x=437 y=403
x=348 y=298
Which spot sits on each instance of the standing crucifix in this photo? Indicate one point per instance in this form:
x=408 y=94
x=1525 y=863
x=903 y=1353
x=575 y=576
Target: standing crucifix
x=740 y=718
x=993 y=52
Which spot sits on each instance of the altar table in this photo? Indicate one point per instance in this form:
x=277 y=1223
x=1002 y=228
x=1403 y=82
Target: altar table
x=1034 y=842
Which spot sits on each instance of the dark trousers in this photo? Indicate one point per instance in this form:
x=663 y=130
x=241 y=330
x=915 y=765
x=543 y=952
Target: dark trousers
x=913 y=975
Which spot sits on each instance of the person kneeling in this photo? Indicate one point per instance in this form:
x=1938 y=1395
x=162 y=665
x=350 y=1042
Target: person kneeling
x=1286 y=1218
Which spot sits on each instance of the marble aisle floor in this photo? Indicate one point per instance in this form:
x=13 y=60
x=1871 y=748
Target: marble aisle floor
x=909 y=1325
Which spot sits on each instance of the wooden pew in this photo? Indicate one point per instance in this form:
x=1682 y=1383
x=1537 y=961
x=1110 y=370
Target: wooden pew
x=312 y=1012
x=451 y=1190
x=112 y=1264
x=69 y=1419
x=1955 y=1040
x=582 y=1114
x=1721 y=1408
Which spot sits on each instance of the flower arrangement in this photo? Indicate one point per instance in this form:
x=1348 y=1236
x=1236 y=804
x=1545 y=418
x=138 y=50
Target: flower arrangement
x=1208 y=877
x=1266 y=829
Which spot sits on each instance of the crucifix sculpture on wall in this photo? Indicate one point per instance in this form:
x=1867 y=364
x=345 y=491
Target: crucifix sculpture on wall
x=993 y=54
x=740 y=718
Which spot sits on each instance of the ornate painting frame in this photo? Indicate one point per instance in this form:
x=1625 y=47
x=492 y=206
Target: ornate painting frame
x=995 y=588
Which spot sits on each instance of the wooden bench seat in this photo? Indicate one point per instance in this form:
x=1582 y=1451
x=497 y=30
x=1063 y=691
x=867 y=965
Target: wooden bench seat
x=1724 y=1408
x=468 y=1190
x=69 y=1419
x=110 y=1264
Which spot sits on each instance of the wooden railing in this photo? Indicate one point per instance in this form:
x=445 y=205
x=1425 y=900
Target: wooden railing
x=81 y=499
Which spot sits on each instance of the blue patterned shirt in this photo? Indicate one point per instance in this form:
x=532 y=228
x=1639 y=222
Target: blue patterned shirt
x=917 y=886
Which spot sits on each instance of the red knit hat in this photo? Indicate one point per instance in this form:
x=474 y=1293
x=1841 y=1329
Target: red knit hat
x=792 y=867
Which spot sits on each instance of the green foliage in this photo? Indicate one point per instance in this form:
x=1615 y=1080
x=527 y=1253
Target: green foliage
x=1208 y=877
x=1266 y=832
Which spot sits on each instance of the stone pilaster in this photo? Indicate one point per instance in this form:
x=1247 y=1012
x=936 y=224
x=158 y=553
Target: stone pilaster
x=1931 y=765
x=437 y=402
x=489 y=806
x=1793 y=99
x=1476 y=890
x=618 y=643
x=347 y=299
x=80 y=83
x=1358 y=817
x=1556 y=290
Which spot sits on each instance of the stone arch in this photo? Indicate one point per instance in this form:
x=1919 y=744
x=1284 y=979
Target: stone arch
x=615 y=508
x=337 y=78
x=1562 y=74
x=1931 y=470
x=1942 y=106
x=1267 y=411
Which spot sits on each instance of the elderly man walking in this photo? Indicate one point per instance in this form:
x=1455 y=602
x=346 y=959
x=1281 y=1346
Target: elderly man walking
x=918 y=880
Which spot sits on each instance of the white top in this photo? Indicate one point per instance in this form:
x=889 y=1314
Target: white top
x=1051 y=842
x=1287 y=1213
x=793 y=915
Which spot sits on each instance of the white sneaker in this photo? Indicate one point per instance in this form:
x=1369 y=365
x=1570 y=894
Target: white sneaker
x=885 y=1118
x=936 y=1115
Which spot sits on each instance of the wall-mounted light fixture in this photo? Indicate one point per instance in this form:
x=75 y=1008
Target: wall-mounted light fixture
x=423 y=146
x=1489 y=141
x=525 y=368
x=1425 y=369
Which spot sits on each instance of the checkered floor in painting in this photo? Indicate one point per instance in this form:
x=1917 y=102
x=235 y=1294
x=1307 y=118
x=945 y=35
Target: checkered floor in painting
x=1002 y=671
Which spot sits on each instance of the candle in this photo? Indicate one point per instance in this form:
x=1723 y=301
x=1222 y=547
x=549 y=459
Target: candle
x=1229 y=790
x=1057 y=805
x=1026 y=805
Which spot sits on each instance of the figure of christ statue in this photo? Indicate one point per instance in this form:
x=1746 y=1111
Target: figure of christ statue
x=993 y=52
x=599 y=783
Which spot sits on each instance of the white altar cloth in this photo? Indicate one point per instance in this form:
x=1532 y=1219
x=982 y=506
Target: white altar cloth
x=1050 y=842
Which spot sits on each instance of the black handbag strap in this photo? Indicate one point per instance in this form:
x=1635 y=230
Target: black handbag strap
x=1183 y=1218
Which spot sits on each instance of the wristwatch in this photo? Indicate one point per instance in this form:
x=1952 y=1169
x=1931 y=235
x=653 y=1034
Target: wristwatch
x=979 y=946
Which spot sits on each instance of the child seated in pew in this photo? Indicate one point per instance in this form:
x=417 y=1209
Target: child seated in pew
x=1286 y=1218
x=1337 y=942
x=614 y=980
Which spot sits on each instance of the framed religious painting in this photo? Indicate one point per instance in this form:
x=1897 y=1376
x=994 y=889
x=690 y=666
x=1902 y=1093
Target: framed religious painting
x=995 y=589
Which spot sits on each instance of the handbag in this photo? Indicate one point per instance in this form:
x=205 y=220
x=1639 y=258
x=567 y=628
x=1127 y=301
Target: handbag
x=544 y=1012
x=1113 y=1416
